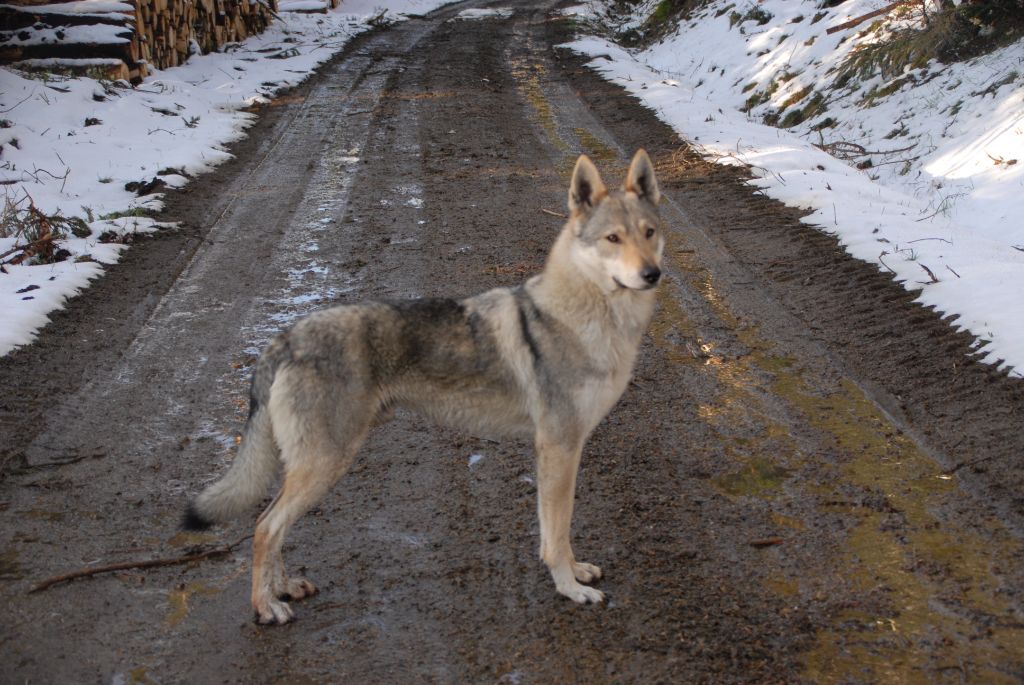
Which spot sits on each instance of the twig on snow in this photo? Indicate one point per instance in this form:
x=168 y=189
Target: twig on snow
x=5 y=111
x=882 y=261
x=35 y=175
x=767 y=172
x=930 y=275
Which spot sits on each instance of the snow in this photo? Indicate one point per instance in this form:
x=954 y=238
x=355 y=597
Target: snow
x=82 y=7
x=485 y=13
x=944 y=192
x=69 y=145
x=97 y=34
x=304 y=5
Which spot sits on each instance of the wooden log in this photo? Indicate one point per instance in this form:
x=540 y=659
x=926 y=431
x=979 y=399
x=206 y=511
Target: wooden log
x=93 y=68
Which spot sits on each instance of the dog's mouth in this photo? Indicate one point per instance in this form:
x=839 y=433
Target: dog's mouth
x=646 y=286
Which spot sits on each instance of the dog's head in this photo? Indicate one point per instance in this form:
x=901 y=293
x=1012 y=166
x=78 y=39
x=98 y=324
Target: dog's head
x=618 y=233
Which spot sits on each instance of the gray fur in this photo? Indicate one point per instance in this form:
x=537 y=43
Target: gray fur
x=547 y=359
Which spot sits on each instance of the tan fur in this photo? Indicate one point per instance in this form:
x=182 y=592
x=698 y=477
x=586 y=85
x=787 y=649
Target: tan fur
x=547 y=360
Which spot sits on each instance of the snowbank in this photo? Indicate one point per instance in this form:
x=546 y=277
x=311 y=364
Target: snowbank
x=926 y=178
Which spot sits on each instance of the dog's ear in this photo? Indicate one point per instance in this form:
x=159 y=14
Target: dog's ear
x=586 y=188
x=641 y=180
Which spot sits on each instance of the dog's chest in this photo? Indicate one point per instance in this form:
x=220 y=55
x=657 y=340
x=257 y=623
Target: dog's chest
x=613 y=349
x=598 y=393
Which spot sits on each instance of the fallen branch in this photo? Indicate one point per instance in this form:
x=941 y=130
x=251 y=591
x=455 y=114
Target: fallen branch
x=870 y=15
x=558 y=214
x=57 y=463
x=972 y=462
x=144 y=563
x=844 y=149
x=766 y=542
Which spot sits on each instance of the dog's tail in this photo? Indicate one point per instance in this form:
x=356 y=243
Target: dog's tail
x=256 y=464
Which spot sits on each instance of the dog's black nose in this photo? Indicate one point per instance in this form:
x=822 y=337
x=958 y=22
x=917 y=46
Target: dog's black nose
x=651 y=274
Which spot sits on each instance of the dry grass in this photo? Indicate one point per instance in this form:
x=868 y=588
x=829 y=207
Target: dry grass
x=35 y=233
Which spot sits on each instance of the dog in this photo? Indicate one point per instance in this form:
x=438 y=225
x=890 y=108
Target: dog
x=545 y=360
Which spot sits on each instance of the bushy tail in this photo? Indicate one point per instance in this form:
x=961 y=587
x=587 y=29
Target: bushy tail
x=245 y=483
x=256 y=465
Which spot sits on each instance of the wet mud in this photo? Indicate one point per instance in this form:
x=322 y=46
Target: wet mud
x=807 y=481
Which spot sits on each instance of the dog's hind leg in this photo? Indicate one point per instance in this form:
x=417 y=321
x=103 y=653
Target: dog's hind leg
x=306 y=482
x=558 y=460
x=316 y=452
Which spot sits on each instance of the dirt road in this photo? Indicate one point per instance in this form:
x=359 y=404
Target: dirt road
x=808 y=480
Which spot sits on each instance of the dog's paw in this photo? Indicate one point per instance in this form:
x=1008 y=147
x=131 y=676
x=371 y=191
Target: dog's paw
x=274 y=613
x=581 y=594
x=296 y=588
x=585 y=573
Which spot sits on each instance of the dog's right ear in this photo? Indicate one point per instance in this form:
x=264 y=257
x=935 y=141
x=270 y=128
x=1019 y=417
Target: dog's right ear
x=586 y=188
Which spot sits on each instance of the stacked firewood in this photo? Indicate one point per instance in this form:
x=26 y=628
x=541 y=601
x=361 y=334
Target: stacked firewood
x=123 y=38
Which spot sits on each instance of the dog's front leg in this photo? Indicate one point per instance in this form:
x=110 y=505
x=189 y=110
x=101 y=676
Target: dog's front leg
x=557 y=463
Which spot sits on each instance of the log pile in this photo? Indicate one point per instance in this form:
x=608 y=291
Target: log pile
x=123 y=38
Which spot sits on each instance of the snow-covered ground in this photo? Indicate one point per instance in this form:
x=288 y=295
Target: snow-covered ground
x=927 y=175
x=70 y=145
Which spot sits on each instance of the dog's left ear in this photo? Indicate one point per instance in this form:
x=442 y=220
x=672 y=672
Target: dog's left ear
x=641 y=180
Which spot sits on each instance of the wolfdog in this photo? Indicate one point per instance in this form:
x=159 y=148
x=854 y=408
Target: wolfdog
x=545 y=360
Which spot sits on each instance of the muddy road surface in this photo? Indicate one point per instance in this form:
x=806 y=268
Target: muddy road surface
x=808 y=481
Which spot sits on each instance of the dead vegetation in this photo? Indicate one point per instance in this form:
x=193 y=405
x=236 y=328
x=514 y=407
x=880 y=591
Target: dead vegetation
x=36 y=234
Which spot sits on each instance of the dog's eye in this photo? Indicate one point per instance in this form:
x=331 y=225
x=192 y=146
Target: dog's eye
x=650 y=232
x=613 y=238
